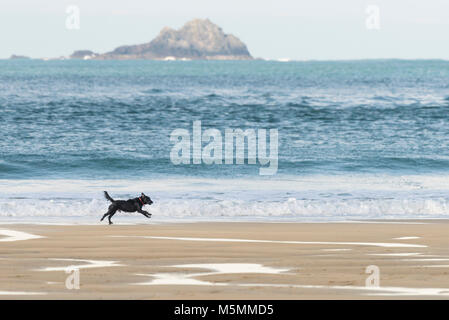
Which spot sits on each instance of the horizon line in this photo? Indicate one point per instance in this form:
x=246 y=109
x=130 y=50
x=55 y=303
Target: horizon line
x=63 y=58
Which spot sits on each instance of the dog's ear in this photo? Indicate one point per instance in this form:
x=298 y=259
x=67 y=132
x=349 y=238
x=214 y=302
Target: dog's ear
x=142 y=194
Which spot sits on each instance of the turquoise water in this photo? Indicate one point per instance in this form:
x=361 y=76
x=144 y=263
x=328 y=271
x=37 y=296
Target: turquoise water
x=356 y=138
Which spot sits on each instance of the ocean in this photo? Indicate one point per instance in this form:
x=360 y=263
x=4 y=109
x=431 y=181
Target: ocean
x=356 y=139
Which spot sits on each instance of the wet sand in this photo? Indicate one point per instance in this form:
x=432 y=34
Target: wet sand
x=223 y=260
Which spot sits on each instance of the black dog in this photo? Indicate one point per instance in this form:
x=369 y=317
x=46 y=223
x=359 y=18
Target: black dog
x=131 y=205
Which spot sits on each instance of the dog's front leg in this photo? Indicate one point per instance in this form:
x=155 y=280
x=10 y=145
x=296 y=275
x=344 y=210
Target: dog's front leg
x=146 y=214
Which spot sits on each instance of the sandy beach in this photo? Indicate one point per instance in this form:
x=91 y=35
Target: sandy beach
x=226 y=260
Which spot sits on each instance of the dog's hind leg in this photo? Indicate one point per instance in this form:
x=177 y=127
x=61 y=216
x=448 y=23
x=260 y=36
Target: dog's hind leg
x=110 y=215
x=112 y=209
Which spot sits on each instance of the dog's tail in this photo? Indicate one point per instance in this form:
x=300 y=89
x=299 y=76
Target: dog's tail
x=108 y=197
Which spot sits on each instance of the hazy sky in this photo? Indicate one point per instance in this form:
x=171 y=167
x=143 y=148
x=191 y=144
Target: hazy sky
x=295 y=29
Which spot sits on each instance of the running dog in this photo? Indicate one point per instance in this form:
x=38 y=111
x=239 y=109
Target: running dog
x=131 y=205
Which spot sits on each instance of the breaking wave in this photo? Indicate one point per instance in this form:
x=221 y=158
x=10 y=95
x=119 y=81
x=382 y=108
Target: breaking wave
x=312 y=198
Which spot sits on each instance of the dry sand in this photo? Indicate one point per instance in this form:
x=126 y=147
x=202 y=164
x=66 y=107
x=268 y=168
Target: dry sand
x=295 y=260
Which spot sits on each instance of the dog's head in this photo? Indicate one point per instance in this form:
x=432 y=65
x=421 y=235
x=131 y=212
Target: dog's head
x=145 y=199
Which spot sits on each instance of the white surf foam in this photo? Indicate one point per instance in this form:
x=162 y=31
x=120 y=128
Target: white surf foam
x=373 y=291
x=176 y=279
x=398 y=254
x=232 y=268
x=89 y=264
x=216 y=208
x=376 y=182
x=437 y=266
x=406 y=238
x=374 y=244
x=307 y=198
x=426 y=259
x=215 y=269
x=12 y=235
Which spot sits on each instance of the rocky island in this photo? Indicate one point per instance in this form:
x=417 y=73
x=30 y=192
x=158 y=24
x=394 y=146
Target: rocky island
x=199 y=39
x=18 y=57
x=83 y=54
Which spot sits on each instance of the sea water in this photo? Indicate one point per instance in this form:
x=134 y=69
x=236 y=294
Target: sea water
x=357 y=139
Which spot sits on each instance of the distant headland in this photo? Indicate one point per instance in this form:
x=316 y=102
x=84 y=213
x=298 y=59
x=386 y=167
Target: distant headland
x=197 y=40
x=18 y=57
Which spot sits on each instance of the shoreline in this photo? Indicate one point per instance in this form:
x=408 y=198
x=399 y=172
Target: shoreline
x=140 y=221
x=226 y=260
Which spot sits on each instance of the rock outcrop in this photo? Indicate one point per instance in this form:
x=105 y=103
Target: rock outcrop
x=17 y=57
x=197 y=39
x=83 y=54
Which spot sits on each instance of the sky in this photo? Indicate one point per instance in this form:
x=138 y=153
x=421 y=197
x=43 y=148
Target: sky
x=272 y=29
